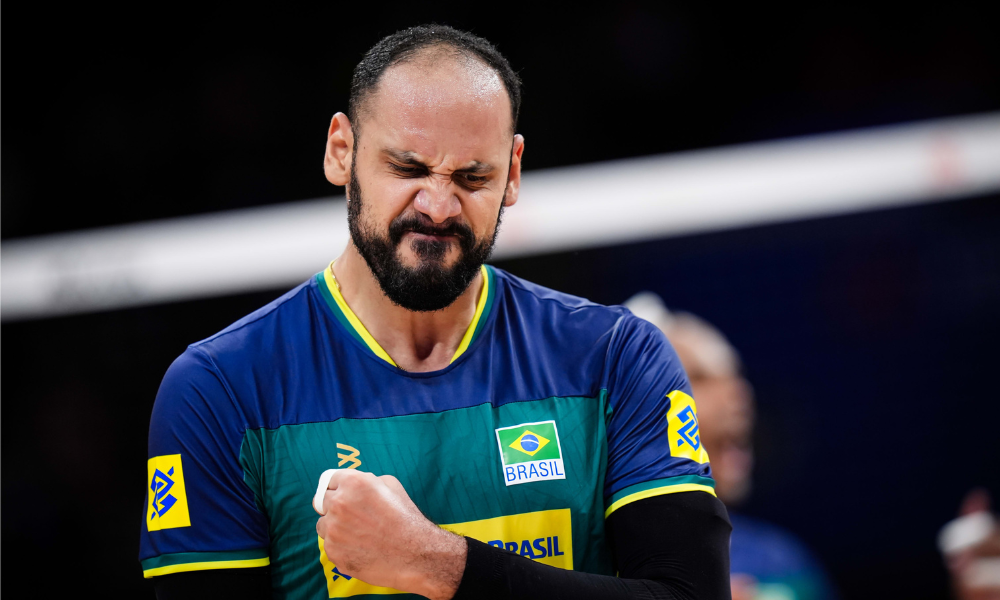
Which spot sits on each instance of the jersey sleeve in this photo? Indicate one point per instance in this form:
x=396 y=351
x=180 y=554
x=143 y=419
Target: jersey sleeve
x=654 y=446
x=199 y=512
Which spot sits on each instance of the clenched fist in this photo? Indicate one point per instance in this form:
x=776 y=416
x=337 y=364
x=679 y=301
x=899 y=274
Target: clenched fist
x=373 y=531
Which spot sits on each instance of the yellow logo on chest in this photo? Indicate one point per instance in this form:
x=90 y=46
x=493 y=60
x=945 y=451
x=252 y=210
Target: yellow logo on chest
x=348 y=458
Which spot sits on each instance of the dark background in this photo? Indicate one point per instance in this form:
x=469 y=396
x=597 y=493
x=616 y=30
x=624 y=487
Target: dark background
x=869 y=338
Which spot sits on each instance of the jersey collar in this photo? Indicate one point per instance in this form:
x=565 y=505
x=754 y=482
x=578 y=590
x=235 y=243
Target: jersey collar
x=330 y=290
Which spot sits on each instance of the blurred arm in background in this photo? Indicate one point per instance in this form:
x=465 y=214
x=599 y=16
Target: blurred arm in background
x=766 y=561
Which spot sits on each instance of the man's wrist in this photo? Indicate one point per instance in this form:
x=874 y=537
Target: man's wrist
x=439 y=568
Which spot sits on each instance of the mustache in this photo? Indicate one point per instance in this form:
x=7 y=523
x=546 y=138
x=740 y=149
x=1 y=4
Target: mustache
x=422 y=224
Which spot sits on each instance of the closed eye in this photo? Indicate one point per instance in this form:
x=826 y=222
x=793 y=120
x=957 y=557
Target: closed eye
x=408 y=171
x=471 y=181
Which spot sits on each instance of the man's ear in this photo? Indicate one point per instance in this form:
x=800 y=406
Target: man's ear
x=339 y=150
x=514 y=177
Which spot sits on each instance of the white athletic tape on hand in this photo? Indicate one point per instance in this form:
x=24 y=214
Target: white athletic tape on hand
x=965 y=532
x=324 y=483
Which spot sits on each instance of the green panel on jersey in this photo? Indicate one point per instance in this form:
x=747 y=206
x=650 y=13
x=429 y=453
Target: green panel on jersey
x=450 y=464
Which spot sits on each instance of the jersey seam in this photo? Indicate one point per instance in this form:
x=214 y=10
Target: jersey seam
x=429 y=412
x=201 y=553
x=615 y=335
x=605 y=379
x=222 y=378
x=658 y=482
x=666 y=490
x=615 y=330
x=587 y=303
x=606 y=375
x=206 y=566
x=246 y=426
x=273 y=309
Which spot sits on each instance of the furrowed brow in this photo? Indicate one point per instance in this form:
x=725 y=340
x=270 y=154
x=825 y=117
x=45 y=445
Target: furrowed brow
x=406 y=157
x=477 y=168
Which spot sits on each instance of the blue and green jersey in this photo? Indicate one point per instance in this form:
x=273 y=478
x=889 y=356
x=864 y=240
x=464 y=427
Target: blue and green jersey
x=553 y=413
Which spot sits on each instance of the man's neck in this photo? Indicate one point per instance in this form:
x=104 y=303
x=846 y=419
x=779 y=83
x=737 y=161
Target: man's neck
x=416 y=341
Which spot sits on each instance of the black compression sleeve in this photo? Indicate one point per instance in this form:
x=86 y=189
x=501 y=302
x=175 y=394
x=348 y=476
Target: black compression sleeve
x=674 y=546
x=245 y=584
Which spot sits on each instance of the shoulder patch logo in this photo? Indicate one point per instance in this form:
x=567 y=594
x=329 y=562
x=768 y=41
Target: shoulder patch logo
x=530 y=452
x=168 y=507
x=682 y=428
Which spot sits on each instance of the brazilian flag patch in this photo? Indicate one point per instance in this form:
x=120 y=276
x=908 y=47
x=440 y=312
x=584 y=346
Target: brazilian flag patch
x=530 y=452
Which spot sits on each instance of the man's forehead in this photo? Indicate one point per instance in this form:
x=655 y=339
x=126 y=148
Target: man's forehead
x=441 y=89
x=443 y=76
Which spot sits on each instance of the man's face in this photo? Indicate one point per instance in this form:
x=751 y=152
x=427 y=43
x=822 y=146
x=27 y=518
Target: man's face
x=725 y=419
x=428 y=177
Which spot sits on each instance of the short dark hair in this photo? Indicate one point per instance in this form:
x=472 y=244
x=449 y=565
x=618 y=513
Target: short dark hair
x=404 y=45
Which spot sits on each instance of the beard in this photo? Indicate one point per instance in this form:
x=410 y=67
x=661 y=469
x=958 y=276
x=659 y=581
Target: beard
x=431 y=285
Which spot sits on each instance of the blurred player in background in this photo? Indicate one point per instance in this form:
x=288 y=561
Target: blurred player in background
x=767 y=563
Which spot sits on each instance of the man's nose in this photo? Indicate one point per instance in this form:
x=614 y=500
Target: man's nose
x=438 y=201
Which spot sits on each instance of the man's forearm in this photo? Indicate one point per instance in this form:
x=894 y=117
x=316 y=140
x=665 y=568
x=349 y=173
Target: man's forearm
x=667 y=547
x=495 y=574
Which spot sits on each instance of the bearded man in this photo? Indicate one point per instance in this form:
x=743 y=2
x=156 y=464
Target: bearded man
x=472 y=435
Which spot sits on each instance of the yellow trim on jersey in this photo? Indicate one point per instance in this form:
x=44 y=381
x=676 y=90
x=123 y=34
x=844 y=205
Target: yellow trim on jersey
x=334 y=287
x=205 y=566
x=670 y=489
x=480 y=305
